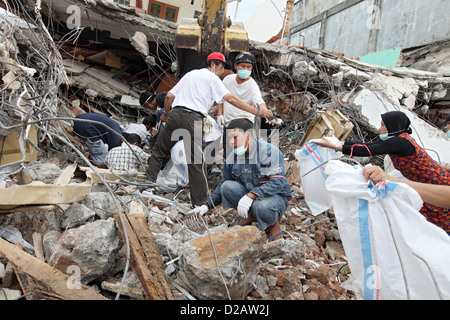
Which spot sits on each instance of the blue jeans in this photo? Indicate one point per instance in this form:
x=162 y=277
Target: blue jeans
x=267 y=210
x=97 y=150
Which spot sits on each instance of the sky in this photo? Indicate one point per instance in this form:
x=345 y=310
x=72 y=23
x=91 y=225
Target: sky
x=245 y=9
x=255 y=14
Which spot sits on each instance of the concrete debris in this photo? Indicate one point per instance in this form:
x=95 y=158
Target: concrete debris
x=238 y=252
x=210 y=258
x=92 y=247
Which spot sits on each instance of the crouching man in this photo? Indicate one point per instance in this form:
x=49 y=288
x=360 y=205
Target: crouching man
x=253 y=181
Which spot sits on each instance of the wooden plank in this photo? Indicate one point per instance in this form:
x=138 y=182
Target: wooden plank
x=145 y=258
x=15 y=208
x=38 y=246
x=48 y=277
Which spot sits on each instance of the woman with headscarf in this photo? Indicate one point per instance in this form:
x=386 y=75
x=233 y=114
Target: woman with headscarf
x=407 y=156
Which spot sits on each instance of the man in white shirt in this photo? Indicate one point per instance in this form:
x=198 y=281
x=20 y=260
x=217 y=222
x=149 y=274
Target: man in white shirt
x=188 y=103
x=244 y=87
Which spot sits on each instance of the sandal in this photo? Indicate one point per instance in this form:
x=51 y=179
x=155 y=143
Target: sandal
x=275 y=236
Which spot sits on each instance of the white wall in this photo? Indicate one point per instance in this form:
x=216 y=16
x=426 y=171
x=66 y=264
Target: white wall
x=347 y=28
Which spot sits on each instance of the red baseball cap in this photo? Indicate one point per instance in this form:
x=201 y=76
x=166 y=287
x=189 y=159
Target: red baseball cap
x=218 y=56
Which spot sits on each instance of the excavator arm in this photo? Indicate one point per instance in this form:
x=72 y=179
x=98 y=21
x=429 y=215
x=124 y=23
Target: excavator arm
x=212 y=31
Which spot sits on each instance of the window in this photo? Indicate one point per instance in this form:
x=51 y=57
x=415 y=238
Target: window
x=163 y=11
x=124 y=2
x=139 y=4
x=197 y=14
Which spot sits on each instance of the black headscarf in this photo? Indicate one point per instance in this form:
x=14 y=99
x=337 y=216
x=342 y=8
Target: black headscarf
x=396 y=122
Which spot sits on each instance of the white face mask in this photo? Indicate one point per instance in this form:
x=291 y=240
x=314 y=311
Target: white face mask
x=244 y=74
x=241 y=150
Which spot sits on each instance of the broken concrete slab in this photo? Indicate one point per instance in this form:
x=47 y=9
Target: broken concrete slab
x=74 y=67
x=401 y=91
x=223 y=265
x=106 y=77
x=76 y=215
x=102 y=203
x=50 y=241
x=91 y=248
x=130 y=101
x=86 y=81
x=292 y=249
x=47 y=172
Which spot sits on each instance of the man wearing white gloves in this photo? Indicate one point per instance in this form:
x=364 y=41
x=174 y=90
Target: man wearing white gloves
x=253 y=181
x=243 y=86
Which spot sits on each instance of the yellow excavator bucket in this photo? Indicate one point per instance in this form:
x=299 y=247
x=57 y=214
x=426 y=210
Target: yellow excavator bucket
x=236 y=38
x=189 y=35
x=212 y=31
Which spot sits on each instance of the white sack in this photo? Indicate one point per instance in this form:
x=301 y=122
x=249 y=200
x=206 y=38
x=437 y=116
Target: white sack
x=381 y=267
x=175 y=173
x=312 y=174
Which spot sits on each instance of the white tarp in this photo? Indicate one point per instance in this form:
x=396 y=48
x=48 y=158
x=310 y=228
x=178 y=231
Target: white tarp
x=393 y=252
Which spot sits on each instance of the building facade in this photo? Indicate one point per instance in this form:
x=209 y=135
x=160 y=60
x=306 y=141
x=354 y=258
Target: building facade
x=167 y=10
x=360 y=27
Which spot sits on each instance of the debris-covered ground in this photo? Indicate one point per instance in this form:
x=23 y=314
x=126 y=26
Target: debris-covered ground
x=70 y=215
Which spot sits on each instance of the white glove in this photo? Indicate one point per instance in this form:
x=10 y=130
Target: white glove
x=200 y=211
x=244 y=205
x=220 y=121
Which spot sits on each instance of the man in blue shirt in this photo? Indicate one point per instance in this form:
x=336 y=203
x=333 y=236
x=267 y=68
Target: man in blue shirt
x=97 y=131
x=253 y=181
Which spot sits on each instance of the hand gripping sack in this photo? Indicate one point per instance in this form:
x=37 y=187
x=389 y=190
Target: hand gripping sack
x=392 y=250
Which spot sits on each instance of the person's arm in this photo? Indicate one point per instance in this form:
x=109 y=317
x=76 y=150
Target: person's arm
x=437 y=195
x=446 y=168
x=238 y=103
x=220 y=121
x=167 y=105
x=216 y=197
x=219 y=109
x=395 y=145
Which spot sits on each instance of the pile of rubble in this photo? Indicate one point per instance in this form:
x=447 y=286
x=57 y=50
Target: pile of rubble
x=114 y=235
x=203 y=258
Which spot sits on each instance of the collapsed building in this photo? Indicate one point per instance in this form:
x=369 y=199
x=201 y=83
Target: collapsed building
x=114 y=235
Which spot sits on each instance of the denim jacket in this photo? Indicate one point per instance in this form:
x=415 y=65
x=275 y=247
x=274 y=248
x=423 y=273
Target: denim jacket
x=262 y=172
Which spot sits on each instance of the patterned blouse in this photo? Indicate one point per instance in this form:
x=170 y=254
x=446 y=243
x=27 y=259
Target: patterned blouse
x=420 y=167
